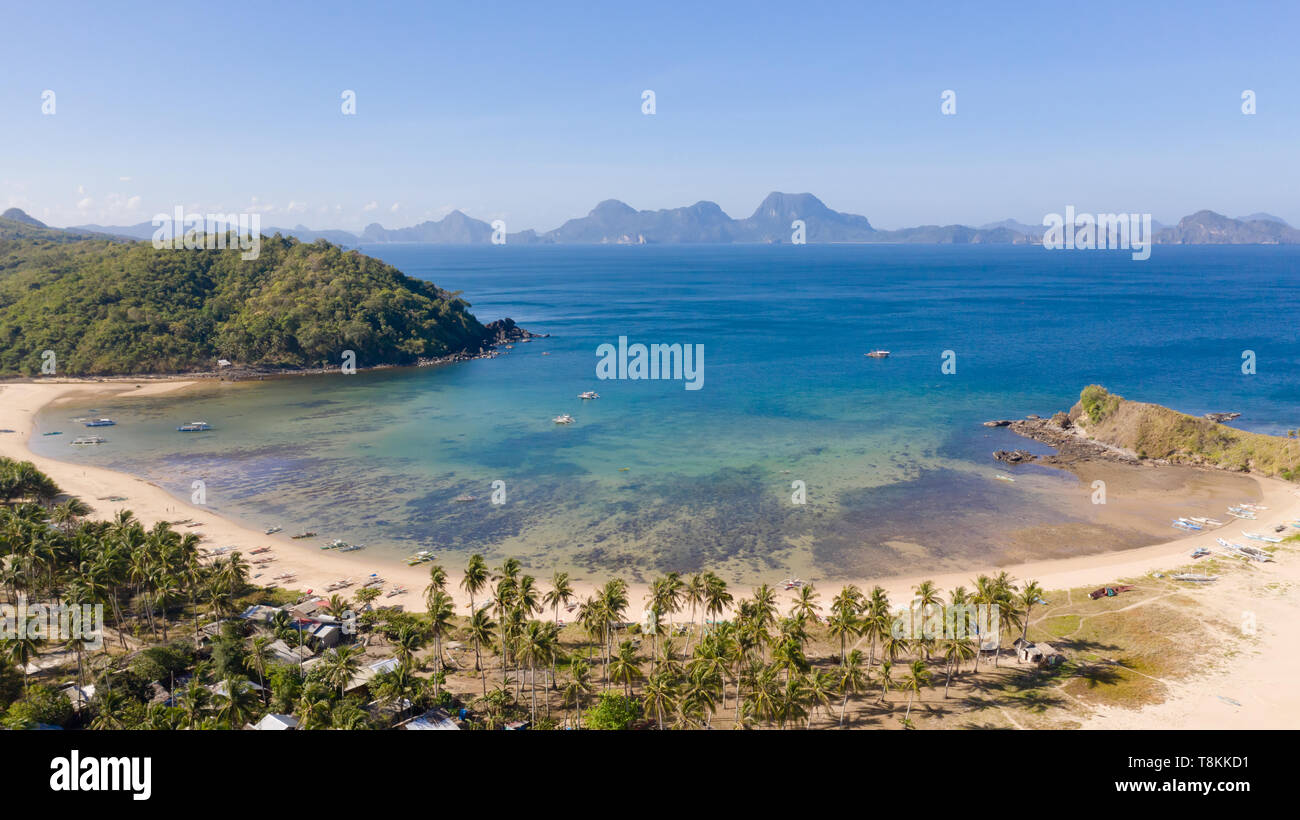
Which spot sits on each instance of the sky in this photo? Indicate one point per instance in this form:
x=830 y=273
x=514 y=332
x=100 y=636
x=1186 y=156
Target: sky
x=532 y=112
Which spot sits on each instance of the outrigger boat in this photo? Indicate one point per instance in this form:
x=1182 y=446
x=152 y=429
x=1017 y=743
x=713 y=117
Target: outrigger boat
x=352 y=547
x=260 y=550
x=1242 y=551
x=1249 y=516
x=194 y=427
x=84 y=440
x=1258 y=537
x=463 y=499
x=1194 y=578
x=273 y=530
x=1199 y=552
x=53 y=433
x=419 y=558
x=395 y=591
x=563 y=418
x=1183 y=524
x=590 y=394
x=1002 y=477
x=99 y=423
x=1210 y=521
x=877 y=354
x=307 y=534
x=335 y=544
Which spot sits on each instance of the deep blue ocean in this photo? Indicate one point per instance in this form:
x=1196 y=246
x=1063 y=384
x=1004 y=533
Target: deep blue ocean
x=892 y=453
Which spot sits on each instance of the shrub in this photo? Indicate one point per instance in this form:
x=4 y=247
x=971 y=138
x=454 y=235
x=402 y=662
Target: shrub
x=613 y=712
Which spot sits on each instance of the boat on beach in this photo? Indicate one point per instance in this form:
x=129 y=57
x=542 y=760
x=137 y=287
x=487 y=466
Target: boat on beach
x=273 y=530
x=395 y=591
x=260 y=550
x=1260 y=537
x=307 y=534
x=419 y=558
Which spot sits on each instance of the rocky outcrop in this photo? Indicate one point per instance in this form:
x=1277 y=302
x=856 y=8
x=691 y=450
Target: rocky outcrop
x=1220 y=418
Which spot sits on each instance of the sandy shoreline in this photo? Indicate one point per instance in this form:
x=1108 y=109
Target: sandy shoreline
x=315 y=568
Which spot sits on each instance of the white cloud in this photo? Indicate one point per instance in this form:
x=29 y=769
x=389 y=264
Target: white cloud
x=84 y=205
x=123 y=179
x=371 y=206
x=296 y=207
x=396 y=207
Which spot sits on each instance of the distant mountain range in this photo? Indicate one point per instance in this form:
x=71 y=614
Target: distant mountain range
x=615 y=222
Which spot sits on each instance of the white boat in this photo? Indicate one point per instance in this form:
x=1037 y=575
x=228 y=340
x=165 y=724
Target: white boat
x=1002 y=477
x=1194 y=578
x=1259 y=537
x=877 y=354
x=590 y=394
x=194 y=427
x=273 y=530
x=352 y=547
x=1249 y=516
x=1184 y=525
x=563 y=418
x=99 y=423
x=463 y=499
x=1209 y=521
x=395 y=591
x=85 y=440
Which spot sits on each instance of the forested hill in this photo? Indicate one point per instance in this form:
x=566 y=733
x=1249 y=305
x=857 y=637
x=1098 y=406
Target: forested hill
x=110 y=308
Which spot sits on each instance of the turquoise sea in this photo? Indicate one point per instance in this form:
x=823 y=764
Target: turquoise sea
x=653 y=477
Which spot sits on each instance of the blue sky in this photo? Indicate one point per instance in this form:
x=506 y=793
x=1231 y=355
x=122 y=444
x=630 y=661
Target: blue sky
x=531 y=112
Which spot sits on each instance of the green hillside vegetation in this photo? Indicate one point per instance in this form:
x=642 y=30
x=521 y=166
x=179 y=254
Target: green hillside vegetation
x=32 y=230
x=1152 y=431
x=110 y=308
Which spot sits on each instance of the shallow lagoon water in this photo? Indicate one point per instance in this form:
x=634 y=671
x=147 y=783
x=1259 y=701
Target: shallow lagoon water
x=653 y=477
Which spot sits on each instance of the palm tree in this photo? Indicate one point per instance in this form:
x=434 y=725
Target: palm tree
x=579 y=687
x=853 y=679
x=694 y=593
x=818 y=687
x=917 y=678
x=535 y=644
x=439 y=614
x=885 y=676
x=957 y=648
x=560 y=594
x=475 y=578
x=625 y=668
x=236 y=703
x=927 y=597
x=257 y=659
x=341 y=665
x=1026 y=600
x=876 y=622
x=661 y=695
x=22 y=650
x=482 y=630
